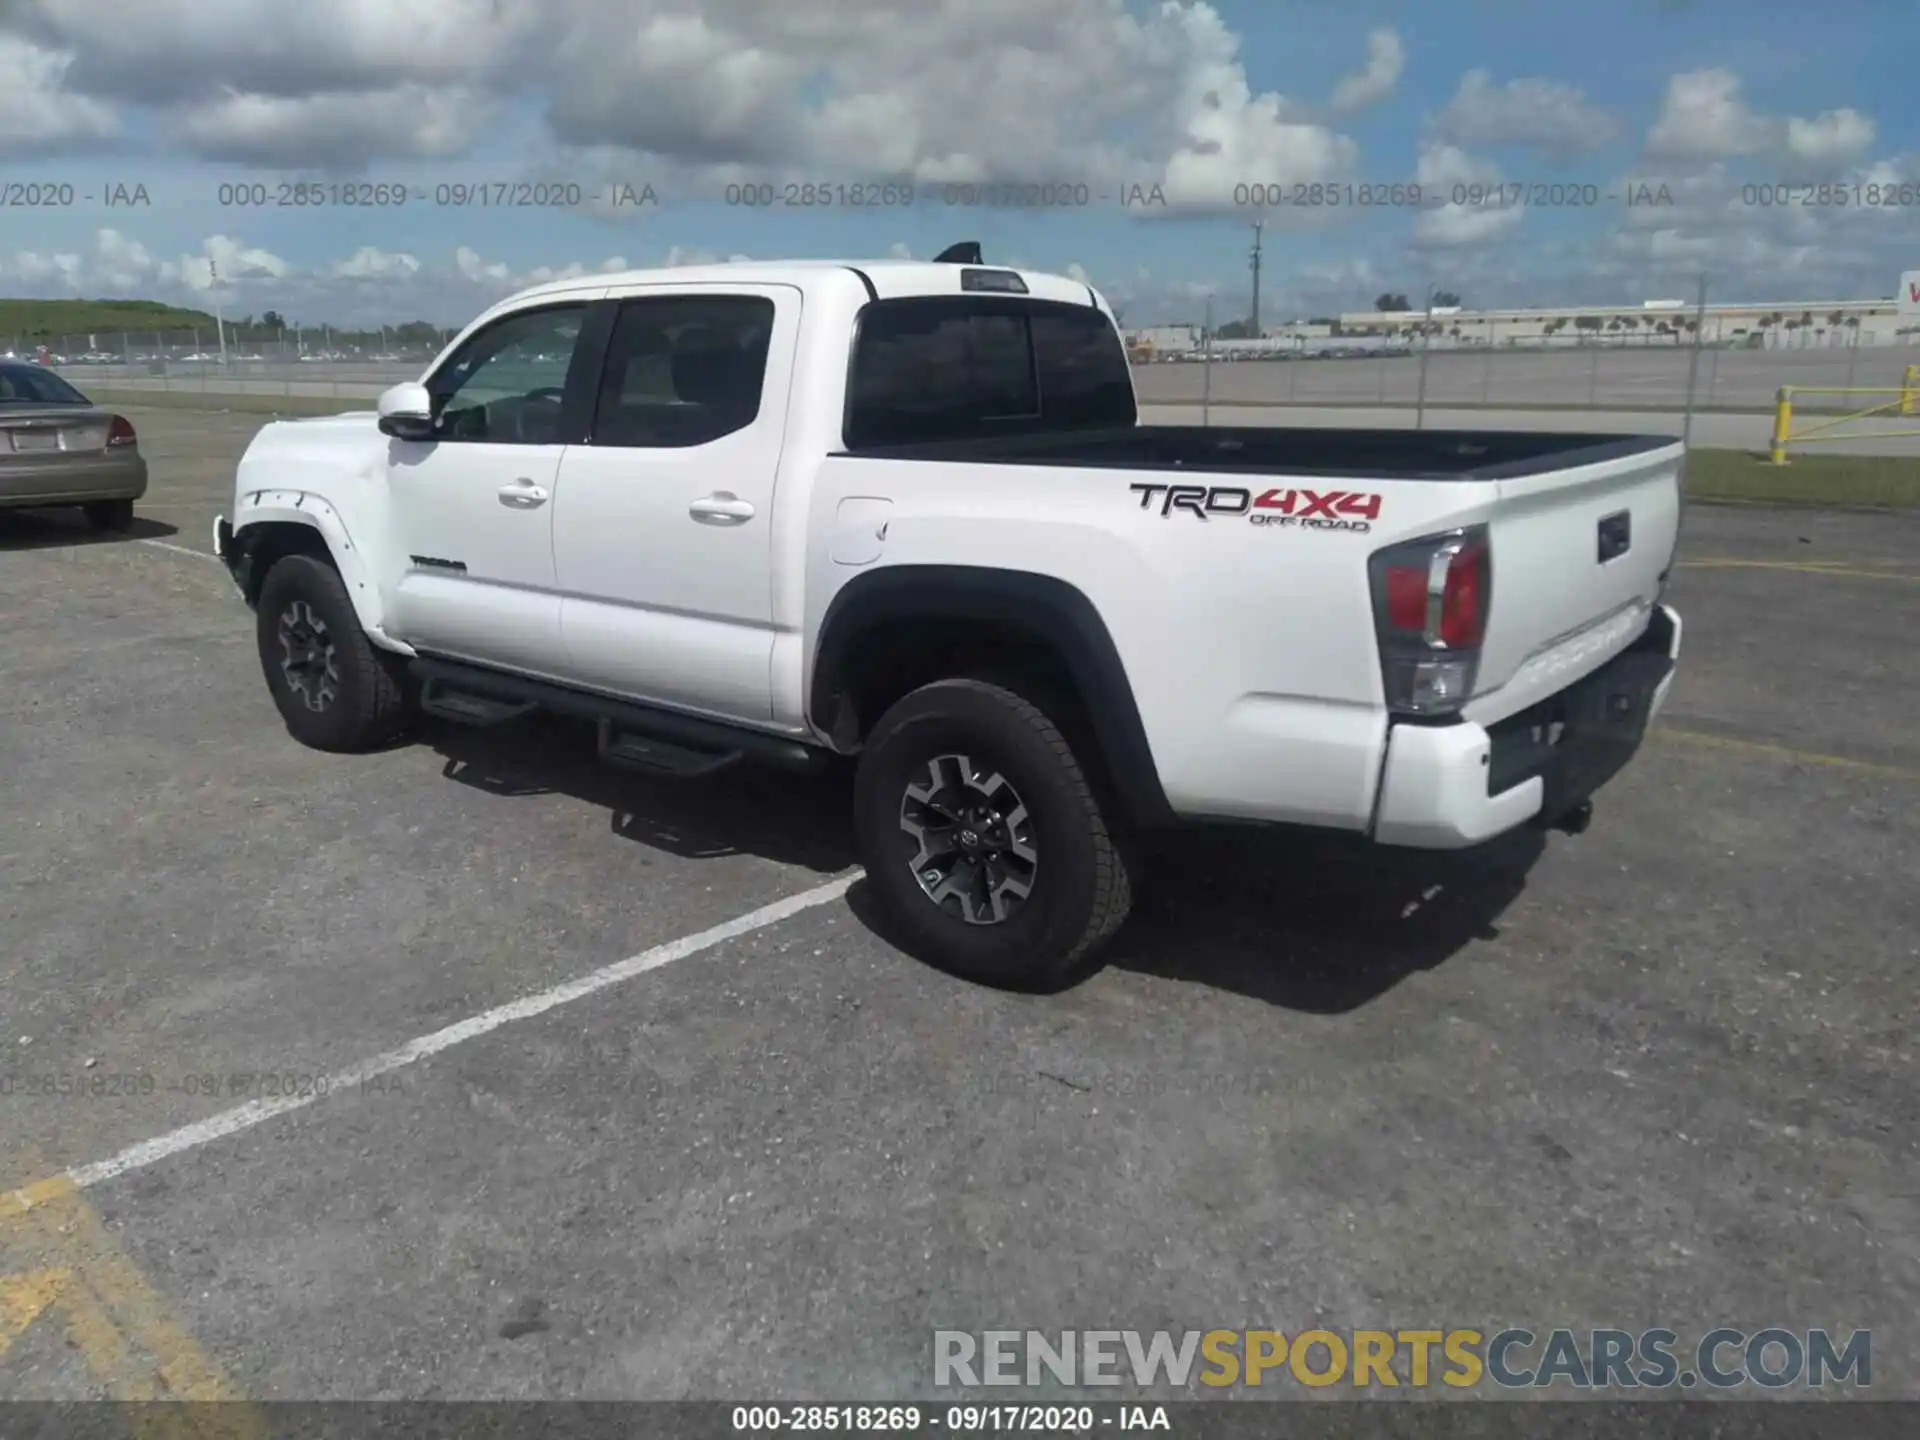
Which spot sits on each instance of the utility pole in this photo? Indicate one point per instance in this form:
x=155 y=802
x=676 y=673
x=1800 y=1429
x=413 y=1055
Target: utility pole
x=1254 y=260
x=1426 y=344
x=1206 y=365
x=1693 y=361
x=219 y=320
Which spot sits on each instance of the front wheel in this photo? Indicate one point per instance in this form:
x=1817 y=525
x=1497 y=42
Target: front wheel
x=335 y=689
x=982 y=839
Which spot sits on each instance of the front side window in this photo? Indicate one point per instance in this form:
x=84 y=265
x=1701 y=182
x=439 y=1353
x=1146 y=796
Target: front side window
x=506 y=384
x=683 y=370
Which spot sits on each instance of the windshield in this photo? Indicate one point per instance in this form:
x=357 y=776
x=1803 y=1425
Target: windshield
x=35 y=385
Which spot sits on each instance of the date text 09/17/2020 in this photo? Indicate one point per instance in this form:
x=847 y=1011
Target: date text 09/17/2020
x=447 y=194
x=905 y=195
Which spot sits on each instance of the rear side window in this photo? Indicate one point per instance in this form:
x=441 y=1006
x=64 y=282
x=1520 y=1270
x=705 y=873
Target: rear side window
x=954 y=368
x=683 y=370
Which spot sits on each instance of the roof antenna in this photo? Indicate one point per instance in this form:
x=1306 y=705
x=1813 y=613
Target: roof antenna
x=967 y=252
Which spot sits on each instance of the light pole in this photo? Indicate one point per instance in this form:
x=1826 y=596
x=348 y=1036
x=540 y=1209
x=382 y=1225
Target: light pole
x=1206 y=365
x=1254 y=260
x=219 y=318
x=1426 y=344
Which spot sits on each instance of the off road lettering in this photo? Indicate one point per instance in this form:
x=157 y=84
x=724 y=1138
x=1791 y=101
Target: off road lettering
x=1306 y=509
x=1330 y=503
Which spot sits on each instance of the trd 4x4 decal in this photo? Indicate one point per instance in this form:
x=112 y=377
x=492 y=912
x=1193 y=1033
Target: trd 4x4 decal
x=1302 y=509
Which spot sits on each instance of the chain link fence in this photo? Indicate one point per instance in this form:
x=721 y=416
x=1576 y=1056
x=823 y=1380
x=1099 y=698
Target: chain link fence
x=312 y=363
x=1665 y=361
x=1600 y=376
x=1678 y=358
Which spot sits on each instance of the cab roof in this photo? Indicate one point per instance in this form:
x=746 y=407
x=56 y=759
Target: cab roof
x=890 y=279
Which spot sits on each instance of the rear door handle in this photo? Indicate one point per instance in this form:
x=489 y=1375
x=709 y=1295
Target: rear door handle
x=523 y=494
x=722 y=507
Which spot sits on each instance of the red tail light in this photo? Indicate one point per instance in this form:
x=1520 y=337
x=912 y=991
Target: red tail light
x=120 y=432
x=1430 y=599
x=1463 y=606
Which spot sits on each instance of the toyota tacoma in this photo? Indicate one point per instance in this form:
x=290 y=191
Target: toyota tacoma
x=906 y=513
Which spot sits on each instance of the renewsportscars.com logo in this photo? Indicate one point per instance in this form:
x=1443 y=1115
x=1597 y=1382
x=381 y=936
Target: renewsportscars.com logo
x=1600 y=1359
x=1301 y=509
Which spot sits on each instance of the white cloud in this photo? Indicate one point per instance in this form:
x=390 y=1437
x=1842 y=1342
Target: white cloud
x=370 y=262
x=1090 y=90
x=467 y=261
x=1757 y=237
x=1704 y=118
x=37 y=116
x=167 y=51
x=370 y=285
x=333 y=130
x=1554 y=120
x=1480 y=215
x=1837 y=137
x=1386 y=60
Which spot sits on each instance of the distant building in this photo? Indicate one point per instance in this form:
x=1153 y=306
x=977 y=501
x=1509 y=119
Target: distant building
x=1164 y=339
x=1775 y=325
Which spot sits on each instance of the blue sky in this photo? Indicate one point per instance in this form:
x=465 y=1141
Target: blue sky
x=1481 y=102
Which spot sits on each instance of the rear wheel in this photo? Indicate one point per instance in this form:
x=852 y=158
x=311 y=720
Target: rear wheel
x=334 y=688
x=109 y=515
x=982 y=839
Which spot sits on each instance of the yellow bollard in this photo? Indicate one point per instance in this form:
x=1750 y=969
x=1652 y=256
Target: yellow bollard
x=1910 y=391
x=1782 y=421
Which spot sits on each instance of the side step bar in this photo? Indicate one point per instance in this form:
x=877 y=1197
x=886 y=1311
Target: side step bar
x=464 y=709
x=632 y=736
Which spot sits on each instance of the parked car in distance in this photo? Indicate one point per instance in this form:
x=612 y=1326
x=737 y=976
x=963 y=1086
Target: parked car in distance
x=58 y=448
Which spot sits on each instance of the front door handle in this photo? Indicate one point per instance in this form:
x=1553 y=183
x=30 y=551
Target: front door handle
x=523 y=494
x=723 y=507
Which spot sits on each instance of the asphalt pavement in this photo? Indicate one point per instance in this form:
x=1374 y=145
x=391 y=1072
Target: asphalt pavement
x=470 y=1069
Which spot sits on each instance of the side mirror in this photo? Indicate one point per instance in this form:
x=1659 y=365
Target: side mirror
x=406 y=412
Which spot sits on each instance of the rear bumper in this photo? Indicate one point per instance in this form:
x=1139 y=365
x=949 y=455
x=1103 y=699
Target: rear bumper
x=74 y=479
x=1446 y=787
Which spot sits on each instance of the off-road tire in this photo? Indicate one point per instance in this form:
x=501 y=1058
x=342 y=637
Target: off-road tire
x=1080 y=891
x=370 y=700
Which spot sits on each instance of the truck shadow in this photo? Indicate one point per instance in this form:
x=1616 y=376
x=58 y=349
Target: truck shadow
x=1299 y=919
x=1314 y=922
x=793 y=820
x=56 y=528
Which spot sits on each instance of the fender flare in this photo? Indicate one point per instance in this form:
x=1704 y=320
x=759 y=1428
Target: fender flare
x=1056 y=612
x=262 y=508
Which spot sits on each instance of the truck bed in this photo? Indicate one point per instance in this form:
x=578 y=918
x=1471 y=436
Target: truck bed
x=1278 y=450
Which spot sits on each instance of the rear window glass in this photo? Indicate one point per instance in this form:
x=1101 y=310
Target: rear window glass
x=34 y=385
x=953 y=368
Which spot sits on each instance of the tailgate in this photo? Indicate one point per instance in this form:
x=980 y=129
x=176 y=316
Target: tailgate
x=1580 y=554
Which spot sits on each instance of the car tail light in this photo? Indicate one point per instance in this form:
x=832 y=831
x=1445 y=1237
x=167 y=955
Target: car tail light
x=120 y=432
x=1430 y=600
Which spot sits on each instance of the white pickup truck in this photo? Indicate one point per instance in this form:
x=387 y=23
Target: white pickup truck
x=905 y=513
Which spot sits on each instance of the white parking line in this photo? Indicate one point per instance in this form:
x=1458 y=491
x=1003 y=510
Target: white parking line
x=255 y=1112
x=182 y=550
